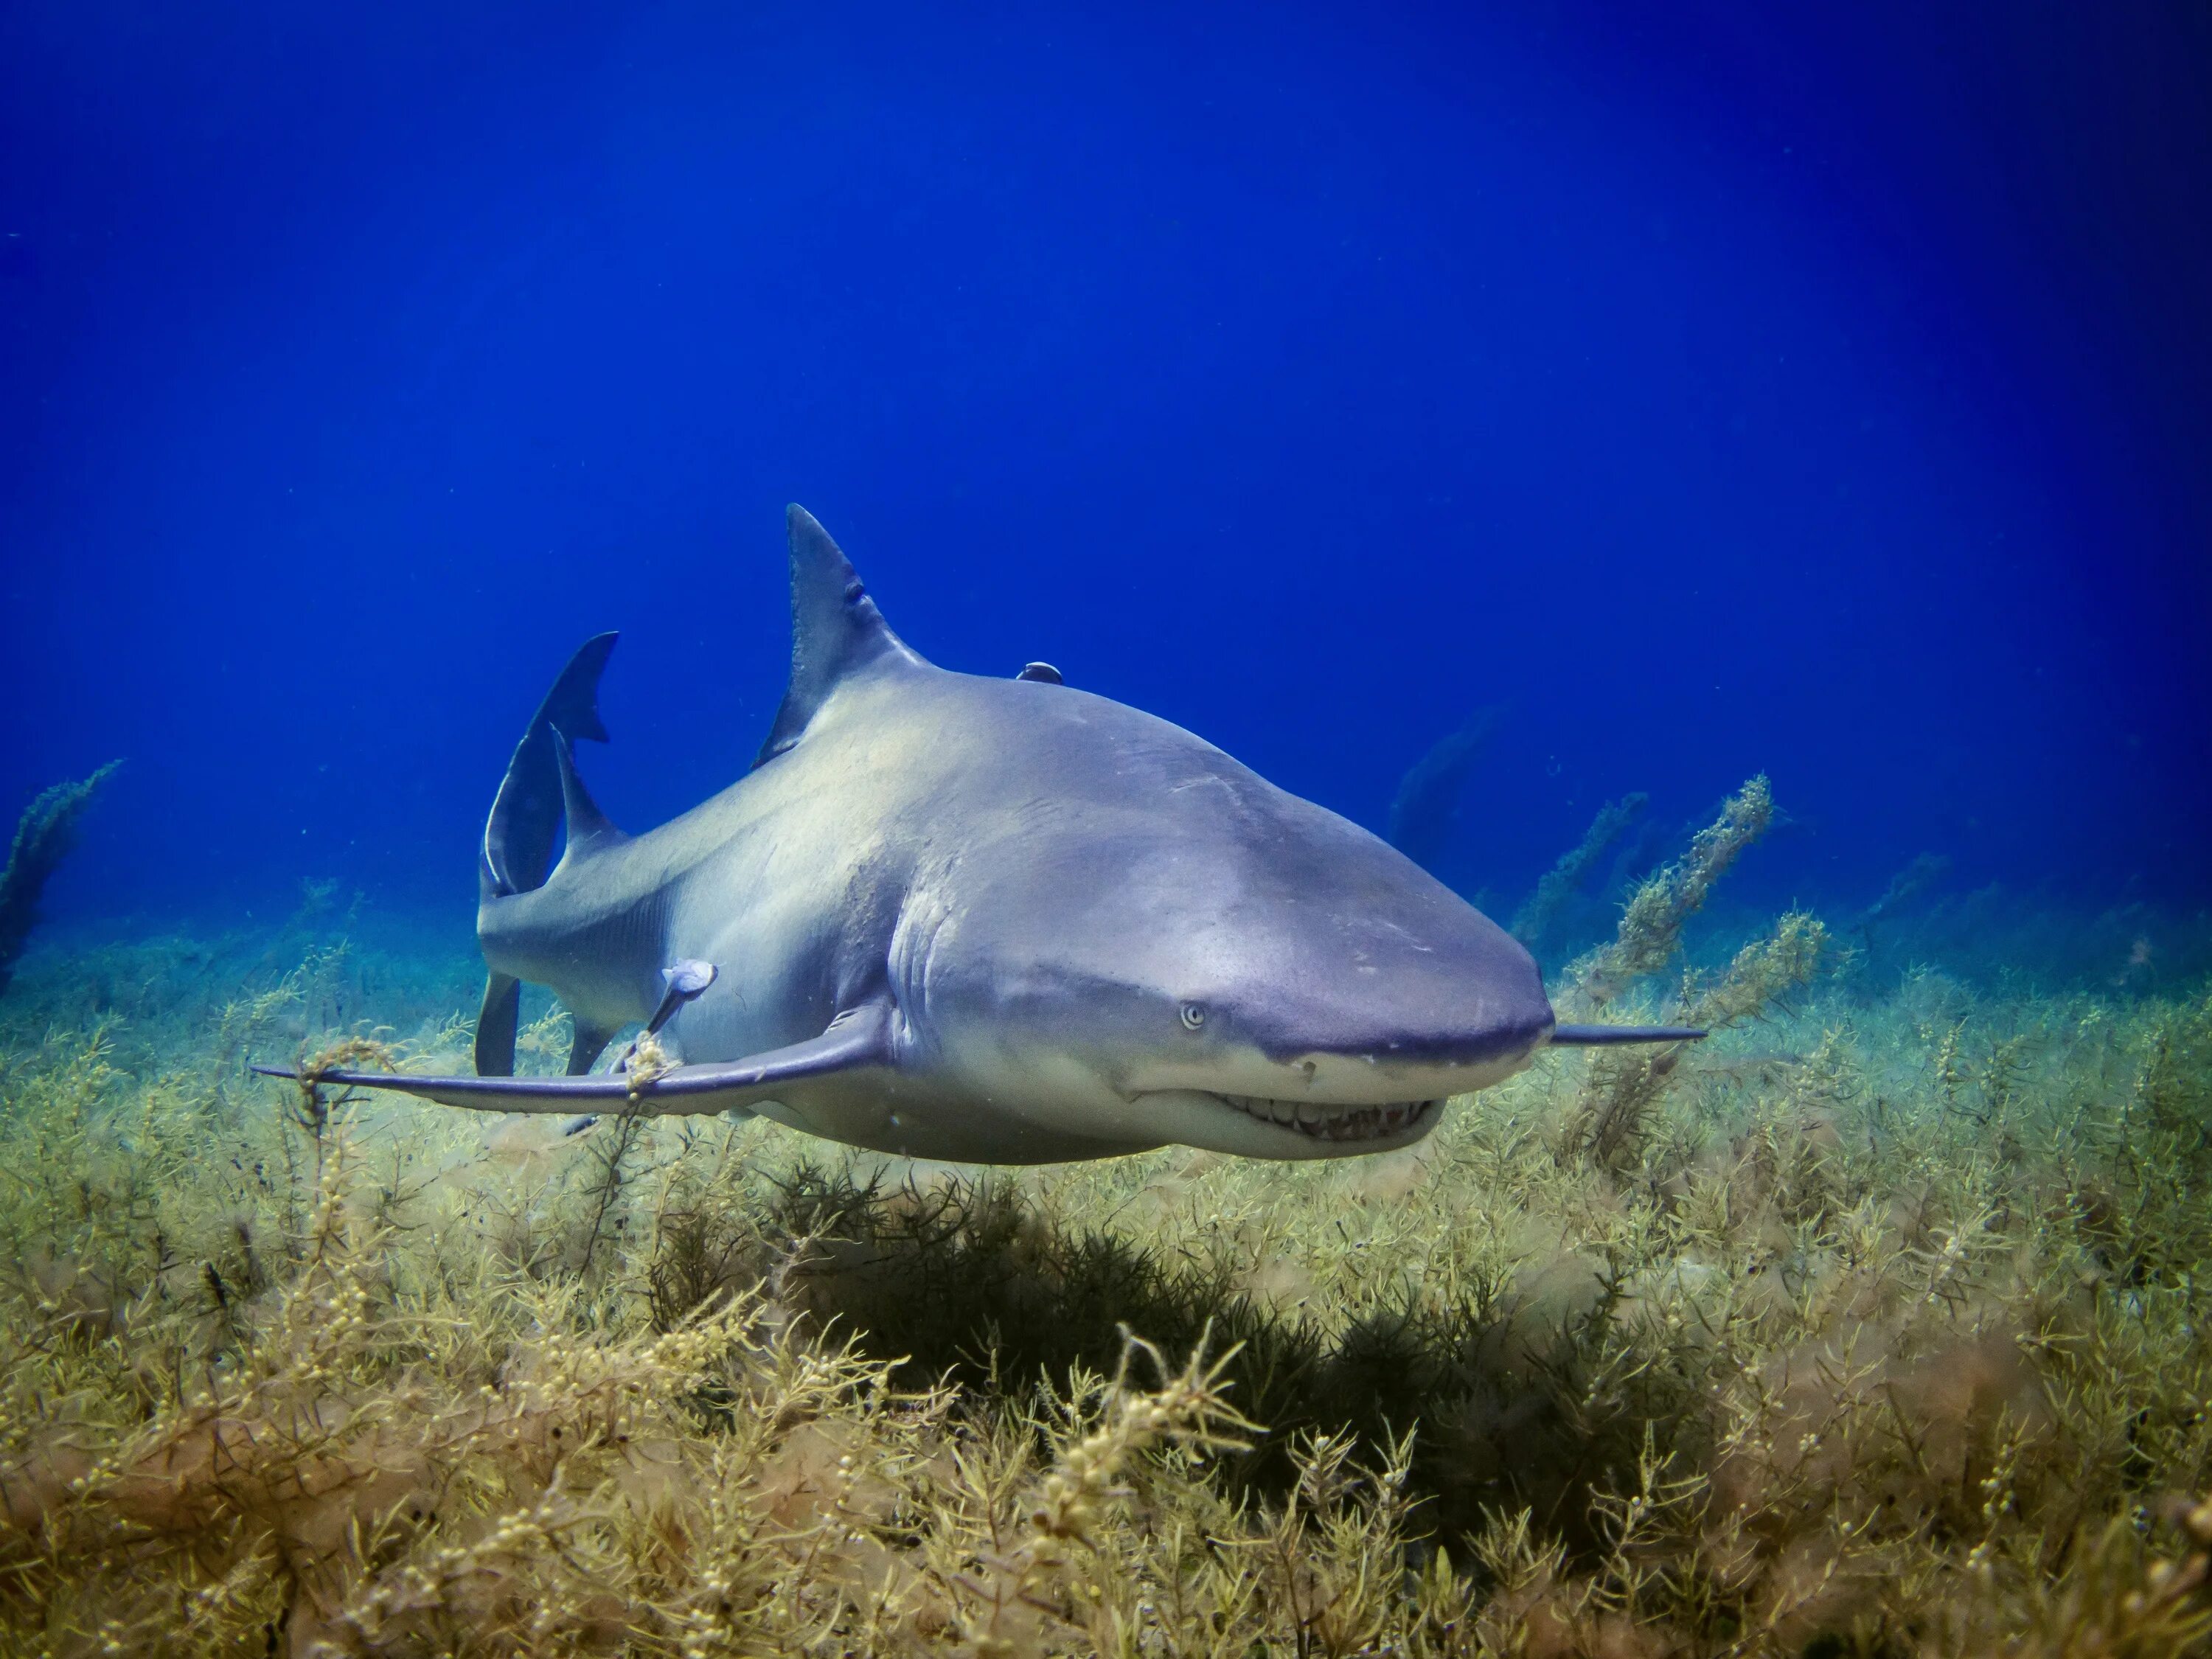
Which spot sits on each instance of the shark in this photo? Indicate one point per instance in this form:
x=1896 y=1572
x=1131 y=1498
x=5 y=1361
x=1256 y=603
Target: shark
x=981 y=918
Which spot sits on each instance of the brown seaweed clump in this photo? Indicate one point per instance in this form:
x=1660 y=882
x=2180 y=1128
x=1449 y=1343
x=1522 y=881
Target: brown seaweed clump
x=1882 y=1328
x=44 y=836
x=1622 y=1089
x=1559 y=884
x=1651 y=926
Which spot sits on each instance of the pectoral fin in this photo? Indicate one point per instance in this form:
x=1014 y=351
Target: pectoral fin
x=855 y=1040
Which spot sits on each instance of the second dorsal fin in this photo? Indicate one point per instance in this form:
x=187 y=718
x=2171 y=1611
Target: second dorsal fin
x=837 y=631
x=589 y=830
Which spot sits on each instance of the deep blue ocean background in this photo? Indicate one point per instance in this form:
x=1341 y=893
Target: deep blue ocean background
x=1718 y=388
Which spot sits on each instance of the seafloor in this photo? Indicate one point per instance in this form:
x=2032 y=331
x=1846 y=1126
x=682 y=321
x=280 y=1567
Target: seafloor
x=1874 y=1325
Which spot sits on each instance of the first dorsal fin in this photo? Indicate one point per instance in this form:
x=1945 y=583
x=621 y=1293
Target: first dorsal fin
x=835 y=630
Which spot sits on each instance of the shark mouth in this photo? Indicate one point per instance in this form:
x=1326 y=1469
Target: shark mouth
x=1317 y=1121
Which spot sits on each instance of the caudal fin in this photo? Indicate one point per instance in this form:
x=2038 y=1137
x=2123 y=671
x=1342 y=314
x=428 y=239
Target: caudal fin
x=526 y=815
x=537 y=792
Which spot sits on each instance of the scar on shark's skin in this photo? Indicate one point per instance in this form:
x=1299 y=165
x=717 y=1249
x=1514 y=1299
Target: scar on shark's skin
x=876 y=936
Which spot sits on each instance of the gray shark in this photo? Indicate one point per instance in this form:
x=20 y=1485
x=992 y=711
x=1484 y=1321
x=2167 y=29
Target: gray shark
x=997 y=920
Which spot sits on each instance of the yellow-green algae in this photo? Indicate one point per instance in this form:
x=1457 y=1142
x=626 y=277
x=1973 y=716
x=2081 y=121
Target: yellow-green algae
x=44 y=836
x=1876 y=1324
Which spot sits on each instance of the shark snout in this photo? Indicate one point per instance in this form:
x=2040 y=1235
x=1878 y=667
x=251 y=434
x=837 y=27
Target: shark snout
x=1427 y=1020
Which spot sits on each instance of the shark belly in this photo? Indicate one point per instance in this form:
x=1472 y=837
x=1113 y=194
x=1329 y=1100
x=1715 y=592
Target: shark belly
x=937 y=1118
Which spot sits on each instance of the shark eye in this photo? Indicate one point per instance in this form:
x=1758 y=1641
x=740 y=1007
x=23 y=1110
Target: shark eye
x=1194 y=1016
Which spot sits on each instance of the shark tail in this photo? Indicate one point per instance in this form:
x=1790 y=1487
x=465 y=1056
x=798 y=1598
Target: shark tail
x=535 y=798
x=527 y=812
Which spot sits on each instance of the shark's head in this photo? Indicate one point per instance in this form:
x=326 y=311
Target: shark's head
x=1154 y=944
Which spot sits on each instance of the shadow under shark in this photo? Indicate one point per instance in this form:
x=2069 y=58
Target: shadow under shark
x=989 y=920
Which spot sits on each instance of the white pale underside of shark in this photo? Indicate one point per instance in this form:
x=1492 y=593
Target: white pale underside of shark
x=984 y=920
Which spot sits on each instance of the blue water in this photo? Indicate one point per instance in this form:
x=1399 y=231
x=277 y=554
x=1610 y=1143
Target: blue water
x=1717 y=389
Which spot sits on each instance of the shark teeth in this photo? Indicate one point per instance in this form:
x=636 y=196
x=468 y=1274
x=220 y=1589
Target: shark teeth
x=1317 y=1121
